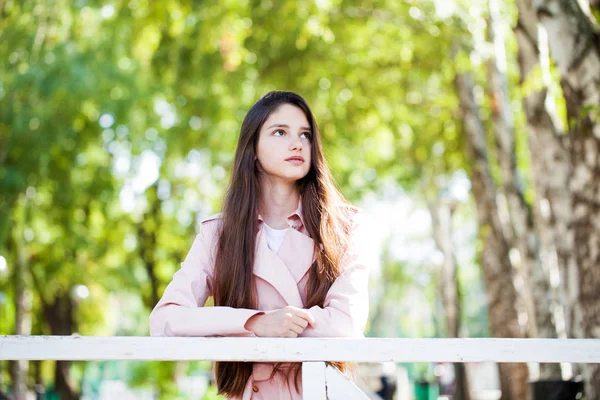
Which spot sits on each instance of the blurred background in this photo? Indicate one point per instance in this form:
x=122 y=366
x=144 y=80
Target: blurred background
x=467 y=131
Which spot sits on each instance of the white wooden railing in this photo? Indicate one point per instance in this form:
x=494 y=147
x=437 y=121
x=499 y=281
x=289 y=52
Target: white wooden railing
x=319 y=381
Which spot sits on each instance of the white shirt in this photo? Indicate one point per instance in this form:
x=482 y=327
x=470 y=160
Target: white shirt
x=274 y=237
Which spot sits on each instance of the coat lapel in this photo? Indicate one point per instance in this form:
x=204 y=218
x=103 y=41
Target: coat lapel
x=270 y=267
x=297 y=253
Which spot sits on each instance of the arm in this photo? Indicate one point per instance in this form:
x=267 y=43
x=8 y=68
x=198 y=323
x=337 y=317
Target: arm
x=181 y=311
x=346 y=306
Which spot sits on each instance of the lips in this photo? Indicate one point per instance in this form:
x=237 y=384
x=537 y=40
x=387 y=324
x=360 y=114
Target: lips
x=295 y=158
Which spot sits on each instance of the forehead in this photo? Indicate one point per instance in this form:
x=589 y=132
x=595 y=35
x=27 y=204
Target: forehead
x=287 y=114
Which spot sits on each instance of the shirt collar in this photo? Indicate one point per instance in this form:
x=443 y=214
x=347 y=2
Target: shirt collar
x=295 y=220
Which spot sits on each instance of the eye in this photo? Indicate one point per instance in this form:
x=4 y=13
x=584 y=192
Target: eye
x=307 y=135
x=278 y=132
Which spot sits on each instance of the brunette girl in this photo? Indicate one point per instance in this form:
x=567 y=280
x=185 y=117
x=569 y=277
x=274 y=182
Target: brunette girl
x=280 y=259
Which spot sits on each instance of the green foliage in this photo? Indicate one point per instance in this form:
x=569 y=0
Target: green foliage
x=211 y=394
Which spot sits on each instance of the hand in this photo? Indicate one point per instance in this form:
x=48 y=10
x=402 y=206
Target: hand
x=287 y=322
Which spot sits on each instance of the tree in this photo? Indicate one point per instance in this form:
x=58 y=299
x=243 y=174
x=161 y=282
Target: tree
x=495 y=263
x=574 y=46
x=449 y=286
x=549 y=152
x=521 y=234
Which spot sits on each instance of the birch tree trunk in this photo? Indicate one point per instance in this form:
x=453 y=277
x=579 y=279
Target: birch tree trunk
x=549 y=152
x=575 y=48
x=495 y=263
x=523 y=235
x=441 y=220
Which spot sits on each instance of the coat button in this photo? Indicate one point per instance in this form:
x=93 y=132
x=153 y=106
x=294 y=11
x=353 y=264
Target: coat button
x=254 y=388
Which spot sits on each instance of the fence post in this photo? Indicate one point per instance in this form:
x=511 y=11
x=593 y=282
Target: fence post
x=313 y=380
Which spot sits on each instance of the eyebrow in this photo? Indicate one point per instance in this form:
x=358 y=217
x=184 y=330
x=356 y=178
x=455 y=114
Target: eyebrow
x=286 y=126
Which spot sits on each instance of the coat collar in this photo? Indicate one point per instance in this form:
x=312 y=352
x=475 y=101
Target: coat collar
x=295 y=220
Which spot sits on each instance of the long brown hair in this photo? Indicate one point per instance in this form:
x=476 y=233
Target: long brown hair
x=326 y=214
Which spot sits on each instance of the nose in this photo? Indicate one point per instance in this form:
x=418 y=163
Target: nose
x=296 y=144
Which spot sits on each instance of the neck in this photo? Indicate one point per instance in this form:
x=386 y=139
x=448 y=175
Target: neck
x=278 y=201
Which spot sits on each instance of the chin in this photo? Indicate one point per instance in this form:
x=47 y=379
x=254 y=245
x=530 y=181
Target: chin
x=293 y=177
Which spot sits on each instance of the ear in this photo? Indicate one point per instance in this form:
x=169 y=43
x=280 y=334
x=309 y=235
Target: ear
x=259 y=167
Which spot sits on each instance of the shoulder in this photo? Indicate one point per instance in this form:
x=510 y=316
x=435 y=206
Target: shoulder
x=352 y=214
x=214 y=217
x=209 y=228
x=354 y=211
x=353 y=221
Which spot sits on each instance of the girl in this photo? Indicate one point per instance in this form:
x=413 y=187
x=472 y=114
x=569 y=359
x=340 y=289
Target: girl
x=279 y=260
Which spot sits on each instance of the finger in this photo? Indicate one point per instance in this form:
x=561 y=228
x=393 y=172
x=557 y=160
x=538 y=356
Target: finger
x=297 y=329
x=288 y=316
x=300 y=322
x=290 y=334
x=307 y=317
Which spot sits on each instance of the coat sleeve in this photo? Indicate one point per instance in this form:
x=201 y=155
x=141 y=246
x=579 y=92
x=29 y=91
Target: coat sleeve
x=181 y=311
x=346 y=306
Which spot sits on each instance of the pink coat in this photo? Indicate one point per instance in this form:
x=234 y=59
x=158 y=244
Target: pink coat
x=280 y=280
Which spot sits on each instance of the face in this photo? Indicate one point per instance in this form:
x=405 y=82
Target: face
x=284 y=144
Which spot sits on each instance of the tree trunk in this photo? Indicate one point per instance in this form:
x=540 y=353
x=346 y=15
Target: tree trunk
x=523 y=237
x=147 y=231
x=59 y=314
x=549 y=152
x=7 y=203
x=495 y=263
x=441 y=220
x=575 y=48
x=19 y=369
x=37 y=376
x=60 y=317
x=22 y=297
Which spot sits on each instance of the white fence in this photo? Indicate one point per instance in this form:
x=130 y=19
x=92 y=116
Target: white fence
x=319 y=381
